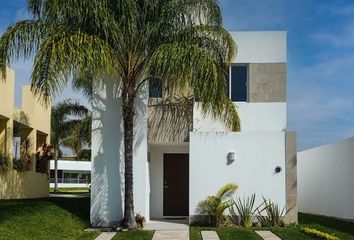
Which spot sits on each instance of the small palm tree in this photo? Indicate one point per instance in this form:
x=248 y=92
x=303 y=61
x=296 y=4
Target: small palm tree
x=213 y=207
x=181 y=42
x=62 y=126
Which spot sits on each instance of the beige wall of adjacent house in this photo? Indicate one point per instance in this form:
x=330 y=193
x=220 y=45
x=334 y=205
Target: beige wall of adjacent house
x=34 y=119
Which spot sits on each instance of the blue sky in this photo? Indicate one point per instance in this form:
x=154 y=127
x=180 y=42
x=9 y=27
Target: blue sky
x=320 y=59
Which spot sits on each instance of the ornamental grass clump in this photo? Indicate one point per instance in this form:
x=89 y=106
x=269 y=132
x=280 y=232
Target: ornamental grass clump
x=213 y=207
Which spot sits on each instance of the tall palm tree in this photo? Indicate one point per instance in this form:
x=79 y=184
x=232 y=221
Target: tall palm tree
x=63 y=123
x=181 y=42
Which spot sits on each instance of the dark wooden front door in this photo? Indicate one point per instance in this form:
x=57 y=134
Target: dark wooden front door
x=176 y=185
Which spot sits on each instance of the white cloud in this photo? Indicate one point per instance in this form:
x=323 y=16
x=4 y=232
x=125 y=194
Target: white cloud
x=342 y=38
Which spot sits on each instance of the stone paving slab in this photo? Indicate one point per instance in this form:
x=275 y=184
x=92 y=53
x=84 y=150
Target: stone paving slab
x=268 y=235
x=171 y=235
x=106 y=236
x=165 y=224
x=210 y=235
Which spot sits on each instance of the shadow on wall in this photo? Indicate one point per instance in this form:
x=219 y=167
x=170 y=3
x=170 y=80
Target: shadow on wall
x=15 y=185
x=108 y=153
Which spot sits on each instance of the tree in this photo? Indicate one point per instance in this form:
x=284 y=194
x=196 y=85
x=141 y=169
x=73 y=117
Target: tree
x=181 y=42
x=63 y=124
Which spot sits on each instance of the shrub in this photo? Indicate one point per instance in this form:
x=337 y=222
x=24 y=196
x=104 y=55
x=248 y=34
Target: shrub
x=19 y=165
x=213 y=207
x=4 y=162
x=275 y=215
x=246 y=210
x=140 y=220
x=318 y=234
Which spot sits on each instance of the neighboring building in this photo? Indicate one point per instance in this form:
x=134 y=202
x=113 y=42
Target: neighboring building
x=177 y=165
x=326 y=180
x=23 y=131
x=71 y=174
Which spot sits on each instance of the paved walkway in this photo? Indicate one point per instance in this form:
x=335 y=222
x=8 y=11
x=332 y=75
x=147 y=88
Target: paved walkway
x=267 y=235
x=167 y=224
x=166 y=229
x=210 y=235
x=106 y=236
x=171 y=235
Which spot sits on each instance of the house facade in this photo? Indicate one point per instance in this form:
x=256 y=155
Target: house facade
x=179 y=163
x=22 y=132
x=71 y=174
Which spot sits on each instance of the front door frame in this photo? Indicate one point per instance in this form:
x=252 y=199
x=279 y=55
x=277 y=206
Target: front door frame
x=186 y=185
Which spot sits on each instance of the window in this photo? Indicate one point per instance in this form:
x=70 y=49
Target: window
x=155 y=88
x=237 y=84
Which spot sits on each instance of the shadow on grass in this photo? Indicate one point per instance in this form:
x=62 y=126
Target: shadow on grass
x=77 y=206
x=336 y=224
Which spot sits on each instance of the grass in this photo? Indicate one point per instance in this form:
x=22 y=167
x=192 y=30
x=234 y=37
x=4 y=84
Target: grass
x=66 y=218
x=341 y=229
x=134 y=235
x=52 y=218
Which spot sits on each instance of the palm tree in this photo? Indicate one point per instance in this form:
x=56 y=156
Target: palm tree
x=63 y=123
x=80 y=136
x=181 y=42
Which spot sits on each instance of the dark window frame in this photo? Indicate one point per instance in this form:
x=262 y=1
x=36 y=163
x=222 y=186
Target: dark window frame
x=229 y=84
x=155 y=94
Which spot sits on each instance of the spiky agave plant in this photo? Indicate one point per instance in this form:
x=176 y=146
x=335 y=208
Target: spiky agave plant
x=213 y=207
x=274 y=214
x=246 y=210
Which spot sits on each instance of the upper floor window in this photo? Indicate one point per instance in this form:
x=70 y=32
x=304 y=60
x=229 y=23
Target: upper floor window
x=236 y=82
x=155 y=88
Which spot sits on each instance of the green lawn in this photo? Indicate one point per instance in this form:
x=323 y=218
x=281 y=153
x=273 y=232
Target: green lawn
x=47 y=219
x=341 y=229
x=66 y=218
x=134 y=235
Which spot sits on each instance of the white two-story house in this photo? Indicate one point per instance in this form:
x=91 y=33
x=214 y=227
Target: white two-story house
x=178 y=164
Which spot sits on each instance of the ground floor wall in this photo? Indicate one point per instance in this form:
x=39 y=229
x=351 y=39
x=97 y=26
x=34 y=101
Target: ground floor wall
x=326 y=180
x=257 y=155
x=107 y=176
x=17 y=185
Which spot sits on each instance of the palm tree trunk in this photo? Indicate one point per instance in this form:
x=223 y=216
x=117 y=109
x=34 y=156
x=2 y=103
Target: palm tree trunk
x=128 y=118
x=56 y=189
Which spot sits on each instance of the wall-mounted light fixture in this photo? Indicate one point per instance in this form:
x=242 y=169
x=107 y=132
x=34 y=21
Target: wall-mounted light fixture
x=231 y=157
x=277 y=169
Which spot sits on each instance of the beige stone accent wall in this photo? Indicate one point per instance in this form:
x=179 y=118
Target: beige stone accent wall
x=291 y=177
x=32 y=121
x=267 y=82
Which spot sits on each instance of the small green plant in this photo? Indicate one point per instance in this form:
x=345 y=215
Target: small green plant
x=213 y=207
x=4 y=162
x=140 y=220
x=19 y=165
x=246 y=210
x=318 y=234
x=274 y=214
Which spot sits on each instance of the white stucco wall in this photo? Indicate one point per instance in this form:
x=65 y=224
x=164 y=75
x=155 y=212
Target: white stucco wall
x=156 y=152
x=107 y=194
x=326 y=180
x=257 y=156
x=260 y=47
x=255 y=117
